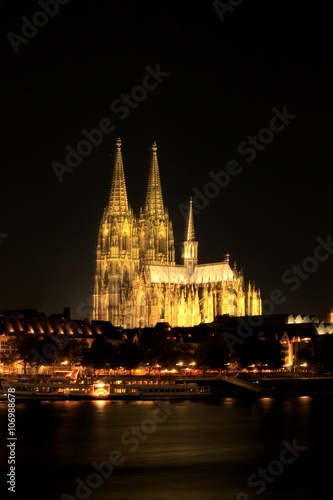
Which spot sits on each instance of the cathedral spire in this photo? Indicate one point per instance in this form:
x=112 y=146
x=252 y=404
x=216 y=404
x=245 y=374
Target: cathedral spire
x=118 y=203
x=154 y=200
x=190 y=246
x=190 y=235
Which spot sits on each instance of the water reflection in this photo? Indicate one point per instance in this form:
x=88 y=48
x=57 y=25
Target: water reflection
x=201 y=450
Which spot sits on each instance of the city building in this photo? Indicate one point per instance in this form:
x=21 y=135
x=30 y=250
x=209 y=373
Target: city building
x=137 y=281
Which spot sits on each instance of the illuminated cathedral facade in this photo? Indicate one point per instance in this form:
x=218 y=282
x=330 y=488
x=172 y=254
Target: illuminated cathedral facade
x=137 y=281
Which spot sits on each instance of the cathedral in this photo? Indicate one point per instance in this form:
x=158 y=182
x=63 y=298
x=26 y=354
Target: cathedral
x=137 y=280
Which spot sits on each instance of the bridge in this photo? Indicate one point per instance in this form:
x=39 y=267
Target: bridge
x=245 y=384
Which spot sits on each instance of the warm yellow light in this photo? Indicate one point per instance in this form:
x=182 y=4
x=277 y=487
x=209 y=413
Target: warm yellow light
x=101 y=391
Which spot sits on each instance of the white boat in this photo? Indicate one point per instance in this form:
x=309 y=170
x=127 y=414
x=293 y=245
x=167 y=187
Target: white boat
x=44 y=388
x=157 y=389
x=53 y=388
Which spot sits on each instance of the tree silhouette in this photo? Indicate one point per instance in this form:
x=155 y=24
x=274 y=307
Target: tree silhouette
x=28 y=350
x=129 y=355
x=212 y=353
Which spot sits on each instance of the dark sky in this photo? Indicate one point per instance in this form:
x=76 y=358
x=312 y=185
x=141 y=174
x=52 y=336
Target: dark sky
x=222 y=80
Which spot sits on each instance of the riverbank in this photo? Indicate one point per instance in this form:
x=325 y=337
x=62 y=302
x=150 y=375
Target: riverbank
x=270 y=386
x=298 y=386
x=245 y=386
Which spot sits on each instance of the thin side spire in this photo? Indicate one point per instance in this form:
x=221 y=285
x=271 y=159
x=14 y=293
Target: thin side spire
x=190 y=245
x=118 y=197
x=190 y=234
x=154 y=200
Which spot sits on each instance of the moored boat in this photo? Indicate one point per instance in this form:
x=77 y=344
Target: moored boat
x=157 y=389
x=53 y=388
x=44 y=388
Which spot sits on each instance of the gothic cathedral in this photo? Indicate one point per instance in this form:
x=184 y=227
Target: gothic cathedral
x=138 y=282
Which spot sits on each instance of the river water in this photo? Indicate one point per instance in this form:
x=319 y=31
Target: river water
x=190 y=450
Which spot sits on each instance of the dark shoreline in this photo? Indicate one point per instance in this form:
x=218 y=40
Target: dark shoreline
x=273 y=387
x=253 y=388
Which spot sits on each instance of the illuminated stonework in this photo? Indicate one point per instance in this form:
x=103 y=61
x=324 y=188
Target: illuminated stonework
x=138 y=282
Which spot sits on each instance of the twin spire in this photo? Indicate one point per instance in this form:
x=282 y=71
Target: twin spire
x=154 y=201
x=154 y=208
x=118 y=204
x=118 y=195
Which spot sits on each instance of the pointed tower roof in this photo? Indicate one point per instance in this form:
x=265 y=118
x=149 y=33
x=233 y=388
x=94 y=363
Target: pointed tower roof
x=154 y=200
x=190 y=234
x=190 y=245
x=118 y=203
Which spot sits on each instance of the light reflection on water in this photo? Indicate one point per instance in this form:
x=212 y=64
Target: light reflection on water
x=188 y=450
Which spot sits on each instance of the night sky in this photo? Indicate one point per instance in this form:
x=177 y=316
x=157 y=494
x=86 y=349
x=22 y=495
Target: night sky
x=221 y=82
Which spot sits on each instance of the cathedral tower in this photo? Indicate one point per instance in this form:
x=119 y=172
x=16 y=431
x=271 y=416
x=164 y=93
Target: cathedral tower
x=117 y=259
x=137 y=281
x=157 y=244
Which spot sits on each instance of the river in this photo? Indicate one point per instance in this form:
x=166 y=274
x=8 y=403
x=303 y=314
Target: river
x=219 y=449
